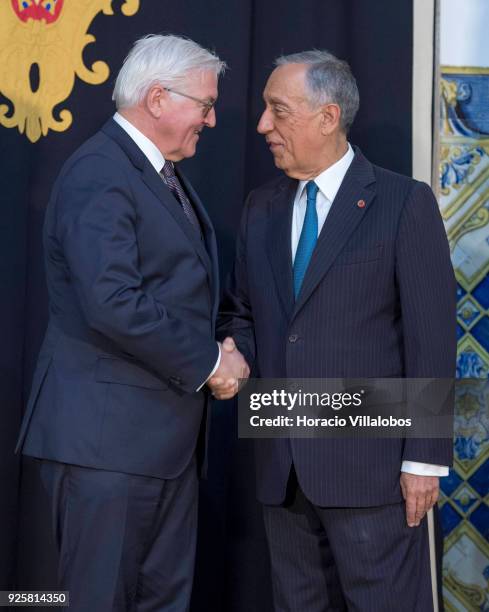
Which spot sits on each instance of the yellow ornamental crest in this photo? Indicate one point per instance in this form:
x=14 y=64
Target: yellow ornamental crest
x=41 y=46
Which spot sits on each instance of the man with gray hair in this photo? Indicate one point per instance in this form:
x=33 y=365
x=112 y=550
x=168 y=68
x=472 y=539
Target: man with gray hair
x=342 y=271
x=119 y=394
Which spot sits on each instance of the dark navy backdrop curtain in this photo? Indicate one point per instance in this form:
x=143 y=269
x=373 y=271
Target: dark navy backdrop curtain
x=375 y=36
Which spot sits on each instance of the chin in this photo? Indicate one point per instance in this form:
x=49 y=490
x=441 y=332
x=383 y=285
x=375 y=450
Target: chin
x=190 y=150
x=282 y=165
x=278 y=161
x=186 y=154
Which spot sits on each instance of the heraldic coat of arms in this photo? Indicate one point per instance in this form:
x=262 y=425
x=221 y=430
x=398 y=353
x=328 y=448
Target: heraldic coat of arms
x=41 y=47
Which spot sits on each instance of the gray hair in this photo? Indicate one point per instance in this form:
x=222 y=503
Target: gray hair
x=328 y=79
x=164 y=60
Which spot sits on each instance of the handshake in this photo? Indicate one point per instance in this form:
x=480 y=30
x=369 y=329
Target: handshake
x=224 y=383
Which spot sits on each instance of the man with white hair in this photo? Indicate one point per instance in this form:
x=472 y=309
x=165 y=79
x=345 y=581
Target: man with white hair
x=342 y=271
x=118 y=400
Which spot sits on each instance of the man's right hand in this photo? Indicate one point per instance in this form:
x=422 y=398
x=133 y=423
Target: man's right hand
x=224 y=383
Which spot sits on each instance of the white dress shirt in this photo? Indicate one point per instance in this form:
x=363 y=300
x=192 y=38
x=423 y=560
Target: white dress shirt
x=146 y=145
x=156 y=159
x=329 y=183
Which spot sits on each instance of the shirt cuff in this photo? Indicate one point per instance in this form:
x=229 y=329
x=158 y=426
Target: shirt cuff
x=218 y=362
x=424 y=469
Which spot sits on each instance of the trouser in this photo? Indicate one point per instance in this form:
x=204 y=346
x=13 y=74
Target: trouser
x=125 y=542
x=355 y=559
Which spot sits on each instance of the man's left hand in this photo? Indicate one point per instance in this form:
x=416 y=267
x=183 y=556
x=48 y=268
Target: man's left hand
x=420 y=493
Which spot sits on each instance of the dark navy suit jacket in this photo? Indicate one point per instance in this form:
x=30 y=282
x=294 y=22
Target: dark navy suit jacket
x=378 y=300
x=133 y=298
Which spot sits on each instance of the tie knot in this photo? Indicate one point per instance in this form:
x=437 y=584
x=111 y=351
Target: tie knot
x=311 y=190
x=168 y=171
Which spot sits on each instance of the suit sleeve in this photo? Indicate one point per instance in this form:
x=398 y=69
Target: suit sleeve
x=96 y=223
x=235 y=314
x=428 y=306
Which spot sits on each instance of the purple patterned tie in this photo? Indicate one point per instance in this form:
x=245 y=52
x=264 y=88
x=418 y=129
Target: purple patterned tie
x=176 y=188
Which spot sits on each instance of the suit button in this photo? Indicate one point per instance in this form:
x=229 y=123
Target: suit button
x=175 y=380
x=293 y=338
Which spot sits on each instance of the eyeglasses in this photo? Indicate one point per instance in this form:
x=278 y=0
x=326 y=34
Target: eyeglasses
x=207 y=105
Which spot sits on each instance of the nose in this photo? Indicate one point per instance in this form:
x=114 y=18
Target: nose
x=265 y=125
x=210 y=120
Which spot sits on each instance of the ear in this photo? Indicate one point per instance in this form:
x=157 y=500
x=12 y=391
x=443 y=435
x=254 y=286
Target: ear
x=330 y=118
x=155 y=100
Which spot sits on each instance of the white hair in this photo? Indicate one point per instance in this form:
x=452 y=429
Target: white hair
x=164 y=60
x=328 y=79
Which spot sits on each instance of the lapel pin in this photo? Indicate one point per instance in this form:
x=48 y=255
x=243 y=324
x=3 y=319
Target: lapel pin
x=361 y=203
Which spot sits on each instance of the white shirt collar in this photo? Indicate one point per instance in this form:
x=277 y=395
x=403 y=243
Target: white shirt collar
x=330 y=180
x=146 y=145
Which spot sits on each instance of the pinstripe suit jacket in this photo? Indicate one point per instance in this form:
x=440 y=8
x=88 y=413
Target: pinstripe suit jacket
x=378 y=300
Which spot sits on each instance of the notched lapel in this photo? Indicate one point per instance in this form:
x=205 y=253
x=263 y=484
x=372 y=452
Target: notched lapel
x=163 y=193
x=196 y=202
x=113 y=130
x=278 y=241
x=208 y=231
x=343 y=218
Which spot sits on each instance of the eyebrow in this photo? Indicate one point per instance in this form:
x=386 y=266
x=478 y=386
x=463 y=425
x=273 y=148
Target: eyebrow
x=273 y=100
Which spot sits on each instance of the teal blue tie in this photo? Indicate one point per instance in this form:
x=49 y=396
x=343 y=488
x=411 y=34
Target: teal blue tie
x=308 y=239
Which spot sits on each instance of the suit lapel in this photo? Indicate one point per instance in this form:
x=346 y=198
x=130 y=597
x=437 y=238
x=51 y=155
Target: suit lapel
x=200 y=211
x=209 y=234
x=342 y=220
x=154 y=181
x=279 y=241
